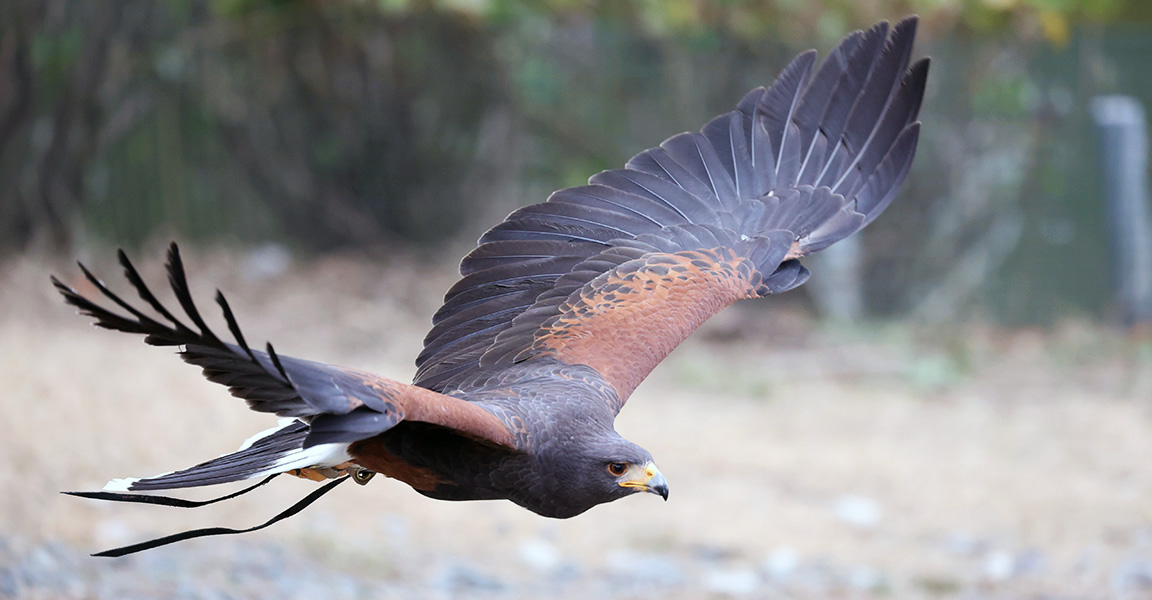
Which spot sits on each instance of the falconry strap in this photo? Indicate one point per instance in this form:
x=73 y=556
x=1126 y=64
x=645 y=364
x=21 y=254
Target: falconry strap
x=361 y=476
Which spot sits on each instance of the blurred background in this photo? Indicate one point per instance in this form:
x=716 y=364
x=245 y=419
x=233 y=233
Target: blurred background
x=958 y=405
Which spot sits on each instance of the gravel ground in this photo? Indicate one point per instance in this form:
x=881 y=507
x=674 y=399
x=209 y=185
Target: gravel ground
x=805 y=461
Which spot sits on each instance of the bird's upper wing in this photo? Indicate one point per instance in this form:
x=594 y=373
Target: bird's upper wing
x=339 y=404
x=615 y=274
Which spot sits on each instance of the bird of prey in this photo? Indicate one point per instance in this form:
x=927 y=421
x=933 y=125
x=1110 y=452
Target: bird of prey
x=566 y=306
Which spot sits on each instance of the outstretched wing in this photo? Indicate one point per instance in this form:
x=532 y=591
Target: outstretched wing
x=615 y=274
x=339 y=405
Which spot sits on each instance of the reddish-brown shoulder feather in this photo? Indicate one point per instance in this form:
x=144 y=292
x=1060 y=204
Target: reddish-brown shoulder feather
x=415 y=403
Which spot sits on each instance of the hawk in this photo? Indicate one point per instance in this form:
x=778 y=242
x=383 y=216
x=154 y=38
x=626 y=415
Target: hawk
x=566 y=306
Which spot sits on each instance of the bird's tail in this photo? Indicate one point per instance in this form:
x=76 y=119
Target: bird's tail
x=277 y=450
x=267 y=454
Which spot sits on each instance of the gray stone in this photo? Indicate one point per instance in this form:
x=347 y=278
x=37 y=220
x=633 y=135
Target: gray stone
x=646 y=568
x=781 y=564
x=457 y=576
x=858 y=511
x=540 y=555
x=1135 y=575
x=735 y=581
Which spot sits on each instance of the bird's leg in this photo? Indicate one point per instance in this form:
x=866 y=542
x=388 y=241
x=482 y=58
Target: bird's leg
x=322 y=473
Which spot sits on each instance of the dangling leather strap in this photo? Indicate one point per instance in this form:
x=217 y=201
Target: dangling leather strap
x=195 y=533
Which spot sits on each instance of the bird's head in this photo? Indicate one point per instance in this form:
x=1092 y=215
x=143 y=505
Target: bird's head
x=582 y=473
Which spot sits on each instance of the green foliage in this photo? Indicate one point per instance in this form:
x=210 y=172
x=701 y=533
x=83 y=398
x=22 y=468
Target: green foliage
x=54 y=54
x=336 y=124
x=798 y=20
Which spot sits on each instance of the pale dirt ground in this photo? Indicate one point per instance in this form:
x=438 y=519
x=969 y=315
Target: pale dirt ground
x=805 y=461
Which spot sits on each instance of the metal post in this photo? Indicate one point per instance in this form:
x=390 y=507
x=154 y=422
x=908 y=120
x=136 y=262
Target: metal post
x=838 y=289
x=1124 y=166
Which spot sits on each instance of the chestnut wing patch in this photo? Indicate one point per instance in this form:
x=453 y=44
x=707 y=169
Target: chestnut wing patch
x=624 y=322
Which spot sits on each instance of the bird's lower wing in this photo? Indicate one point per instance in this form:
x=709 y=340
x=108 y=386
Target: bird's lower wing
x=329 y=409
x=334 y=405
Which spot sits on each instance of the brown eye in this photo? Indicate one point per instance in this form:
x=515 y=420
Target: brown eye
x=617 y=468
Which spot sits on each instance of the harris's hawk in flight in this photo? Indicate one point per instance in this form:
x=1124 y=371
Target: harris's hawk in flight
x=565 y=307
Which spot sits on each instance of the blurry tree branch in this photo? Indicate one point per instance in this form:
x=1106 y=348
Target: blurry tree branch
x=56 y=56
x=15 y=69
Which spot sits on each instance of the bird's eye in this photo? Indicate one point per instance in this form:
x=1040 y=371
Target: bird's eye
x=617 y=468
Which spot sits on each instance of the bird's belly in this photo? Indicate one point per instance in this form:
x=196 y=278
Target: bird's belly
x=373 y=454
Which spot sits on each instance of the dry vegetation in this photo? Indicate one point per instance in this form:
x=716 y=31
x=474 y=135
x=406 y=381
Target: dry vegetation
x=804 y=461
